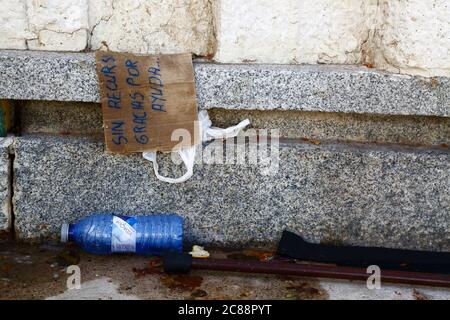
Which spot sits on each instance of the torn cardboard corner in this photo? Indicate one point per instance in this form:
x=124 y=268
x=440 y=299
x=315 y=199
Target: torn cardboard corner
x=147 y=99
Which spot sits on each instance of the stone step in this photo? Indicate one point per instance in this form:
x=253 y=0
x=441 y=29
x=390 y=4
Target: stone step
x=33 y=75
x=356 y=194
x=80 y=118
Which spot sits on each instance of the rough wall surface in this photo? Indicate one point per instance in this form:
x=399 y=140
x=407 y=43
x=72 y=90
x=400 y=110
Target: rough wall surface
x=44 y=24
x=13 y=24
x=413 y=37
x=150 y=26
x=291 y=31
x=143 y=26
x=404 y=36
x=57 y=25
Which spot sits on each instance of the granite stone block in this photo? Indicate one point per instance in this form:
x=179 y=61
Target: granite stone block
x=342 y=127
x=28 y=75
x=86 y=118
x=5 y=184
x=60 y=117
x=333 y=193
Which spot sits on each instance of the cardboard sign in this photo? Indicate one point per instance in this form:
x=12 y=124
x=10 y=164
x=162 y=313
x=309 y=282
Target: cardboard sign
x=144 y=99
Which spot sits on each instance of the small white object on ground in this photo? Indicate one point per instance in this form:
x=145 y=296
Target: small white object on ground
x=199 y=252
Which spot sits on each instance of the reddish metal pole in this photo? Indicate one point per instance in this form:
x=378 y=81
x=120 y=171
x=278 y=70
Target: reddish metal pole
x=320 y=271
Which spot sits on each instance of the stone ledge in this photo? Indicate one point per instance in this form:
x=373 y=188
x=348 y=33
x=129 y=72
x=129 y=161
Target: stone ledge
x=5 y=184
x=85 y=118
x=33 y=75
x=353 y=194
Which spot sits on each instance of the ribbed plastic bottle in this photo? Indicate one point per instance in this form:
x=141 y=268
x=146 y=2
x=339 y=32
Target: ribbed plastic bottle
x=109 y=233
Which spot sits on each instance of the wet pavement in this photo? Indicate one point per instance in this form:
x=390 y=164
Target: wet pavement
x=40 y=272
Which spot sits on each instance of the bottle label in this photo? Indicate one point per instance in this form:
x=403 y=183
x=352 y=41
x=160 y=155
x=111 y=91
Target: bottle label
x=123 y=234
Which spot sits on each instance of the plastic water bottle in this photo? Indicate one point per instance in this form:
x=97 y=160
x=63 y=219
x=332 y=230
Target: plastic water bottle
x=108 y=233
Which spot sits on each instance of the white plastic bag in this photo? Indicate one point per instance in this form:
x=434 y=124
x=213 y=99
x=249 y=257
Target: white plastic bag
x=187 y=155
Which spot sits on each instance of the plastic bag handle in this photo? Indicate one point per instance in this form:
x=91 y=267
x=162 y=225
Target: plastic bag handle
x=187 y=155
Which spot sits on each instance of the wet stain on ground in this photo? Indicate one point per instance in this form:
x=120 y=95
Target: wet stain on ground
x=154 y=267
x=418 y=295
x=28 y=272
x=310 y=290
x=199 y=293
x=39 y=271
x=68 y=257
x=181 y=282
